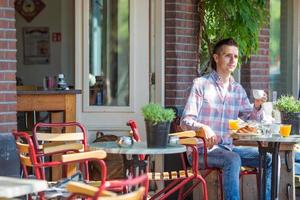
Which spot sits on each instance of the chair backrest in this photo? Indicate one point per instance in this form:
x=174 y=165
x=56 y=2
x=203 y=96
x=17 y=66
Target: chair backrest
x=139 y=184
x=27 y=153
x=29 y=157
x=47 y=141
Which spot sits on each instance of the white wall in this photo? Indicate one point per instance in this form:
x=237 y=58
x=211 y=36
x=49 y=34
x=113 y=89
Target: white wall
x=59 y=17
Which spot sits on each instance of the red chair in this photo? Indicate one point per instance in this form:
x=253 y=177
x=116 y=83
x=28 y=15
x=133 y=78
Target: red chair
x=137 y=186
x=244 y=170
x=179 y=179
x=51 y=139
x=30 y=160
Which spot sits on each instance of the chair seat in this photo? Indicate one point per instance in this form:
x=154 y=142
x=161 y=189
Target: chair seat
x=159 y=176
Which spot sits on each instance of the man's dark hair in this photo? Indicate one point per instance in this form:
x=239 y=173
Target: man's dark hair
x=218 y=46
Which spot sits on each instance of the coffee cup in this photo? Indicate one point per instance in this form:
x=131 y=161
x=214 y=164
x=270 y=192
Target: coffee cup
x=258 y=94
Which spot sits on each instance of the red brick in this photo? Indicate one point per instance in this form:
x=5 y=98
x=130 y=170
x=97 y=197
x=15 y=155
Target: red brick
x=174 y=62
x=172 y=79
x=7 y=13
x=180 y=31
x=7 y=97
x=181 y=47
x=4 y=3
x=7 y=128
x=181 y=55
x=3 y=87
x=179 y=15
x=183 y=23
x=8 y=118
x=8 y=65
x=177 y=70
x=7 y=107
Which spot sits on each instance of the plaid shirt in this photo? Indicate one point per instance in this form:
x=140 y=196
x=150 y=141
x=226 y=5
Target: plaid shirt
x=208 y=105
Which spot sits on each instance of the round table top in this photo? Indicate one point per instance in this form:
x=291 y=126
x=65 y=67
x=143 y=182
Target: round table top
x=137 y=148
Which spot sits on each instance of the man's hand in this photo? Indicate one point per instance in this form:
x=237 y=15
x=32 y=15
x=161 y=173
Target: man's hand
x=258 y=102
x=209 y=135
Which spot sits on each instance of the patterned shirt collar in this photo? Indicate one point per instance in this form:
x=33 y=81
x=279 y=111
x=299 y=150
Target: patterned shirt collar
x=218 y=80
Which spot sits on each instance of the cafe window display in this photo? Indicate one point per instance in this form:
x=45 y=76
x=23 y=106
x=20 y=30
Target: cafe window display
x=109 y=53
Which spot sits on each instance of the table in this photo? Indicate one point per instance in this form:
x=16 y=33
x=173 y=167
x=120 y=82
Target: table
x=138 y=149
x=15 y=187
x=50 y=100
x=270 y=145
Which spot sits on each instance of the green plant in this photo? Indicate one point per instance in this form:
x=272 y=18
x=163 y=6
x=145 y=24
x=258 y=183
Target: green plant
x=288 y=104
x=156 y=113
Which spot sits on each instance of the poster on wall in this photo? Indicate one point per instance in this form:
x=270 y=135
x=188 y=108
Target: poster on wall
x=36 y=45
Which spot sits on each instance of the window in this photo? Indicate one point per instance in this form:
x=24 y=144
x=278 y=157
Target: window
x=281 y=55
x=109 y=53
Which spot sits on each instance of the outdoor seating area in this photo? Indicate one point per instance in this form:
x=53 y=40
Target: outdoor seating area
x=150 y=99
x=56 y=151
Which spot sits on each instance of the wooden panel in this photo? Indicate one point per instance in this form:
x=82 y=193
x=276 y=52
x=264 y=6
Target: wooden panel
x=40 y=102
x=286 y=176
x=248 y=187
x=59 y=136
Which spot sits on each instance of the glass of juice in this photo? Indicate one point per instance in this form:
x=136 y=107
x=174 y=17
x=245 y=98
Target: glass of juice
x=233 y=124
x=285 y=130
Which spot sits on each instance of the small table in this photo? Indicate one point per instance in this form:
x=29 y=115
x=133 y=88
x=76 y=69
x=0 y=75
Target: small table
x=139 y=148
x=15 y=187
x=273 y=145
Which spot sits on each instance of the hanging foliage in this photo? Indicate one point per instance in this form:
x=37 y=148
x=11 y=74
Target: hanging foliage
x=238 y=19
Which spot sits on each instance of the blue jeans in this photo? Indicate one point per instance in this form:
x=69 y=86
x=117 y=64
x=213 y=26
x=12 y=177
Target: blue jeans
x=230 y=162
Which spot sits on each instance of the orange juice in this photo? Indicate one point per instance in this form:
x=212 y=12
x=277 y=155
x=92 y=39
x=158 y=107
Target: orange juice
x=285 y=130
x=233 y=124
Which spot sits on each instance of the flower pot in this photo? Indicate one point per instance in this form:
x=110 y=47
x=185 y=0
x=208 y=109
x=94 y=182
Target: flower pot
x=157 y=134
x=293 y=119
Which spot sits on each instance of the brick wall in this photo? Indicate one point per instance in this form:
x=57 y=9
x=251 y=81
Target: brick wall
x=7 y=67
x=181 y=30
x=255 y=73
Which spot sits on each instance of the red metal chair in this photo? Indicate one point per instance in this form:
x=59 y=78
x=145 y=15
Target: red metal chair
x=30 y=158
x=177 y=179
x=137 y=186
x=244 y=170
x=52 y=138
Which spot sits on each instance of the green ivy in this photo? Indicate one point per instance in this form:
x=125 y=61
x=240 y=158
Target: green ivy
x=156 y=113
x=239 y=19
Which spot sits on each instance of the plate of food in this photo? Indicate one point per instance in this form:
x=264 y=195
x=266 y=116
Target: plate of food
x=246 y=130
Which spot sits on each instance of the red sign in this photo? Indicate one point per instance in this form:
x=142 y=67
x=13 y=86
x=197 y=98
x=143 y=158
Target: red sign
x=56 y=37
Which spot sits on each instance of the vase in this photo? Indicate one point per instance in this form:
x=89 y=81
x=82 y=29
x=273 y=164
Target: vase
x=157 y=134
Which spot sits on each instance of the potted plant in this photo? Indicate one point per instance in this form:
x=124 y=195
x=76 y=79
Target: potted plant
x=289 y=109
x=157 y=121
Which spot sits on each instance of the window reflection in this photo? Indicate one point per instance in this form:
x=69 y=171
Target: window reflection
x=109 y=53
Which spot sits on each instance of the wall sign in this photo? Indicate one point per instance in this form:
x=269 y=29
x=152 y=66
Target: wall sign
x=36 y=45
x=29 y=9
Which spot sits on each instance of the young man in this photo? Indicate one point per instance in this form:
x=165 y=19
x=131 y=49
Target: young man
x=214 y=99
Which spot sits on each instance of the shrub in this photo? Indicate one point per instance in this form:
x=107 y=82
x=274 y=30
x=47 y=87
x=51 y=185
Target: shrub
x=156 y=113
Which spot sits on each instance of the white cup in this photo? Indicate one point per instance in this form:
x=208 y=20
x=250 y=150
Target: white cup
x=258 y=94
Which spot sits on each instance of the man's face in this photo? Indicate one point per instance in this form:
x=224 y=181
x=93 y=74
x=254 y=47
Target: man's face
x=226 y=59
